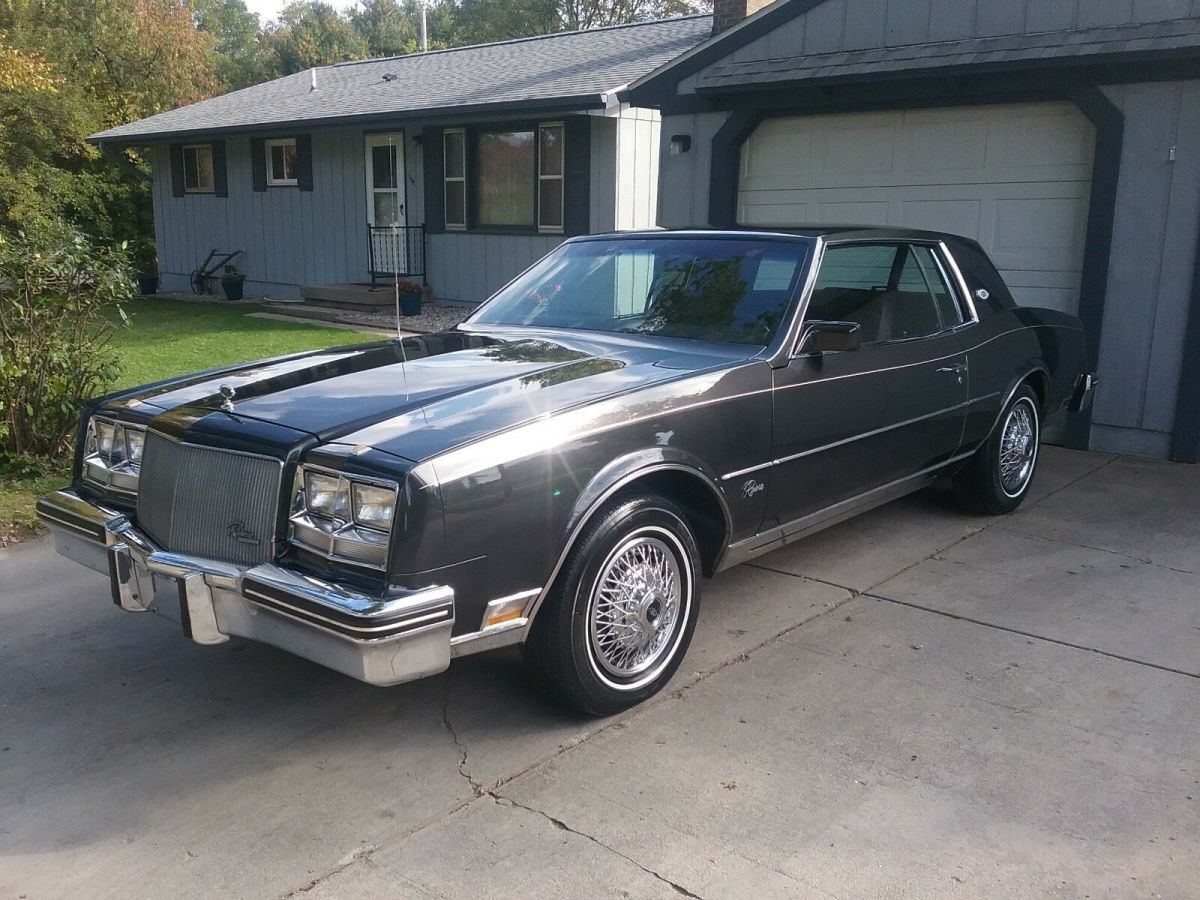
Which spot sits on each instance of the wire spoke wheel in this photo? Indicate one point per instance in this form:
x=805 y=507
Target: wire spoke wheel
x=635 y=607
x=1018 y=448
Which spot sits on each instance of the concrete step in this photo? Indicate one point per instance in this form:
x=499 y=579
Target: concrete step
x=351 y=296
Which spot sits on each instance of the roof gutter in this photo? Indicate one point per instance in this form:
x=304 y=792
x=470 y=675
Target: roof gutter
x=433 y=116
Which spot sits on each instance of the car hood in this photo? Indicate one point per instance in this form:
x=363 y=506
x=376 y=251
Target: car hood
x=431 y=392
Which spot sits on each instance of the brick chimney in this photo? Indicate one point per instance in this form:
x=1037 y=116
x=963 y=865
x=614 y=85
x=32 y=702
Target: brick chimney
x=727 y=13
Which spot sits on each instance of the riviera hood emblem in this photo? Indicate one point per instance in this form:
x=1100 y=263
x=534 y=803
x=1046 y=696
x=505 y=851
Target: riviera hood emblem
x=227 y=395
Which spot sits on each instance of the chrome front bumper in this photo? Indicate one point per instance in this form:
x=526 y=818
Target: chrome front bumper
x=401 y=637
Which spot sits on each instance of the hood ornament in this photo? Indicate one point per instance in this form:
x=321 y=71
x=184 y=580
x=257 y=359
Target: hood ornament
x=227 y=395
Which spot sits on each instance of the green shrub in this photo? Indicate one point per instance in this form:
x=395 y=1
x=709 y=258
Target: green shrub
x=55 y=286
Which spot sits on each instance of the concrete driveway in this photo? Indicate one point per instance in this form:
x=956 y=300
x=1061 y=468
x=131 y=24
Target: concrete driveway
x=918 y=703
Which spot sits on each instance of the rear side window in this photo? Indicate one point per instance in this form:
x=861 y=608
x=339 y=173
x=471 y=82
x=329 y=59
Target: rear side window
x=888 y=290
x=922 y=273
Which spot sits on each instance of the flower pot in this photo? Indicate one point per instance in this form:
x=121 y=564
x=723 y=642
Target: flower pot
x=147 y=284
x=410 y=304
x=233 y=287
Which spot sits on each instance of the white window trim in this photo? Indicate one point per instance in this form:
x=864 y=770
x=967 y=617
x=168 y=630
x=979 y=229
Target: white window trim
x=460 y=179
x=212 y=188
x=561 y=178
x=272 y=181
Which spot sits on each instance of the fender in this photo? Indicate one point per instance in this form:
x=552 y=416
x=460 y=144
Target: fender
x=1014 y=386
x=608 y=481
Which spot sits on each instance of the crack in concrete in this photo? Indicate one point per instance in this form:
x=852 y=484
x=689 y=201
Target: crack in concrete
x=476 y=789
x=359 y=854
x=563 y=826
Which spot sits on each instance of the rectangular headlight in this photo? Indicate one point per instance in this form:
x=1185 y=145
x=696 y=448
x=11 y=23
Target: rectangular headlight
x=321 y=494
x=343 y=517
x=112 y=454
x=373 y=506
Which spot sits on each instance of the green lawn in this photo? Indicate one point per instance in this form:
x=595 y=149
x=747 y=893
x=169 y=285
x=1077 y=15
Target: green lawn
x=171 y=337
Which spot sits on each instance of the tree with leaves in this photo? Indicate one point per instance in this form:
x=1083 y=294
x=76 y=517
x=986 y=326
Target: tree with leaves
x=311 y=33
x=236 y=57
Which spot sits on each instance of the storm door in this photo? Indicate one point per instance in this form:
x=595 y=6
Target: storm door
x=385 y=202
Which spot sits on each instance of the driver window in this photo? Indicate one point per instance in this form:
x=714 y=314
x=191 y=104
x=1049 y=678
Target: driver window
x=890 y=290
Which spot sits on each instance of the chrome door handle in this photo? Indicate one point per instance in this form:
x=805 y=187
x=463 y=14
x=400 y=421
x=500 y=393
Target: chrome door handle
x=957 y=369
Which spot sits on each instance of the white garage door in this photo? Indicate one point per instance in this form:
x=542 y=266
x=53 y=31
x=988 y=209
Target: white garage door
x=1015 y=178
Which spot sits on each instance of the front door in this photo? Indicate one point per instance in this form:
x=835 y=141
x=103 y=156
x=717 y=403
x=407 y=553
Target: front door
x=847 y=422
x=385 y=202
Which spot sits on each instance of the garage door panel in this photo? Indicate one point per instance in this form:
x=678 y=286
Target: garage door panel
x=1017 y=178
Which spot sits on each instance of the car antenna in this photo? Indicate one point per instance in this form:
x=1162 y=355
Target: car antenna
x=396 y=277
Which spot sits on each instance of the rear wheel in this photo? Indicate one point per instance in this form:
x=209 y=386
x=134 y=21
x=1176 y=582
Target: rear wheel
x=998 y=476
x=619 y=619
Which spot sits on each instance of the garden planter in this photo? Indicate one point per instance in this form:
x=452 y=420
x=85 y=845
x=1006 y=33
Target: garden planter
x=147 y=284
x=233 y=288
x=410 y=304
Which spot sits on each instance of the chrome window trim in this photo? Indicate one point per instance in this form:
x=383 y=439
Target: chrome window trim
x=961 y=284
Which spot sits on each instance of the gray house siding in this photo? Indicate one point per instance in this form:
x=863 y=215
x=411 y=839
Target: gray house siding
x=1155 y=243
x=838 y=25
x=291 y=238
x=1157 y=207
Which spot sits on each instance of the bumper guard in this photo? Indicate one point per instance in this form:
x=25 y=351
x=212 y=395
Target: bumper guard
x=400 y=637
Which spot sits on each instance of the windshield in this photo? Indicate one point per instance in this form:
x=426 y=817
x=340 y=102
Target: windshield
x=710 y=289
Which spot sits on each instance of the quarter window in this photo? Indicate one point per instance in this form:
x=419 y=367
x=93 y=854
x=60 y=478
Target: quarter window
x=198 y=169
x=281 y=162
x=454 y=147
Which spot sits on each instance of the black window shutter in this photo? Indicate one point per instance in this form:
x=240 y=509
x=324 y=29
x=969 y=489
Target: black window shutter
x=577 y=175
x=220 y=176
x=304 y=167
x=258 y=163
x=435 y=197
x=177 y=188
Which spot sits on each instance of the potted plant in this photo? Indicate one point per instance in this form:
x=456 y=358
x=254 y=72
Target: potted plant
x=232 y=283
x=145 y=259
x=410 y=297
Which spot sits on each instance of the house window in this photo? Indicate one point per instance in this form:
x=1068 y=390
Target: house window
x=198 y=169
x=454 y=146
x=550 y=177
x=281 y=162
x=507 y=178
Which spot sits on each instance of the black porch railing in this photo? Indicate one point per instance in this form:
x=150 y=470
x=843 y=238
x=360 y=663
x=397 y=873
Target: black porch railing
x=396 y=250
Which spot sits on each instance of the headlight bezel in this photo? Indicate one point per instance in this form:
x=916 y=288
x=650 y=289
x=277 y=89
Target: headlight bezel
x=337 y=532
x=113 y=469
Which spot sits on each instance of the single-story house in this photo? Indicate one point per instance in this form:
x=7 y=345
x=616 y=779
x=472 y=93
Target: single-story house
x=1064 y=135
x=460 y=167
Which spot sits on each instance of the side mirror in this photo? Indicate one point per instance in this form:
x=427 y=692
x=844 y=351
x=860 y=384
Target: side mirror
x=820 y=337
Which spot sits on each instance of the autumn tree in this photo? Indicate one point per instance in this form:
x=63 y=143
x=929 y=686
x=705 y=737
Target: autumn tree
x=311 y=33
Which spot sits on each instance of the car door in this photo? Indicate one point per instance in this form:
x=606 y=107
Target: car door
x=846 y=422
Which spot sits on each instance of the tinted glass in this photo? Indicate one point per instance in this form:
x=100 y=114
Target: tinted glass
x=716 y=290
x=506 y=178
x=935 y=281
x=884 y=288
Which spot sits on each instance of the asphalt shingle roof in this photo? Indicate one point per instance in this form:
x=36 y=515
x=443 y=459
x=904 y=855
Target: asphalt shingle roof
x=1059 y=47
x=572 y=67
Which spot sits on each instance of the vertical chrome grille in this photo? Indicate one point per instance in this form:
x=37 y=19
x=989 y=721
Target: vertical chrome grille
x=211 y=503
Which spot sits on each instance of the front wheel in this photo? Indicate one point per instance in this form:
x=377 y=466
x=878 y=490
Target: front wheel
x=619 y=619
x=998 y=476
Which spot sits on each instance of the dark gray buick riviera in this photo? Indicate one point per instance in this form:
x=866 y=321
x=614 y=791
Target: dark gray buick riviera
x=631 y=414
